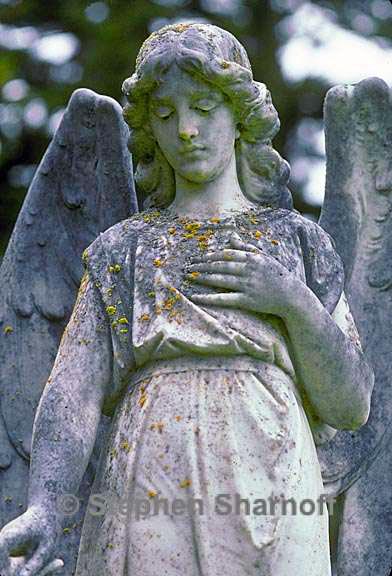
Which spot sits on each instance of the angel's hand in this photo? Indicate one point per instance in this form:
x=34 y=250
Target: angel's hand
x=33 y=536
x=257 y=282
x=54 y=567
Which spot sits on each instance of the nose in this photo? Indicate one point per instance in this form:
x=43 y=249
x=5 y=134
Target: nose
x=187 y=128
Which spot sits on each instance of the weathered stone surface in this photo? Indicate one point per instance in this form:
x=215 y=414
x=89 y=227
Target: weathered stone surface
x=69 y=202
x=213 y=331
x=357 y=213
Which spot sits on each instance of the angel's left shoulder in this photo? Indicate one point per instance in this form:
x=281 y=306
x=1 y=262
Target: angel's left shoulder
x=313 y=235
x=322 y=264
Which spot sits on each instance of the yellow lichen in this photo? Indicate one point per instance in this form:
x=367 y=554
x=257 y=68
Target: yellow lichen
x=8 y=329
x=111 y=310
x=150 y=216
x=144 y=317
x=123 y=320
x=158 y=262
x=125 y=446
x=185 y=483
x=152 y=493
x=192 y=226
x=142 y=399
x=215 y=220
x=169 y=302
x=124 y=331
x=172 y=230
x=275 y=242
x=258 y=234
x=180 y=28
x=157 y=426
x=151 y=294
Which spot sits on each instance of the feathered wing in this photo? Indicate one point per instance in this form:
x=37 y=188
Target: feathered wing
x=83 y=185
x=357 y=213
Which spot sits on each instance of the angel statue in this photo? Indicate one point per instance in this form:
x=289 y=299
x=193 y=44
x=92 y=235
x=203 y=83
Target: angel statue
x=211 y=327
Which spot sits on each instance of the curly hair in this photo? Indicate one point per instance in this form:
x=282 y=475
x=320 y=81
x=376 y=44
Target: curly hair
x=215 y=56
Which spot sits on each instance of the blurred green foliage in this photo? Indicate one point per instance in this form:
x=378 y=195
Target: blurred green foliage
x=105 y=38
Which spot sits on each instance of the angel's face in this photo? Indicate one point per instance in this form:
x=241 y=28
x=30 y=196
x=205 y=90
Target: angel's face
x=193 y=124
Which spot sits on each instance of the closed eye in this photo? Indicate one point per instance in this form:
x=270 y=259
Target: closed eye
x=163 y=112
x=205 y=105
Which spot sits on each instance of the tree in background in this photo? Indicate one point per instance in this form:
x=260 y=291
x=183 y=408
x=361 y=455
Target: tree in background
x=297 y=47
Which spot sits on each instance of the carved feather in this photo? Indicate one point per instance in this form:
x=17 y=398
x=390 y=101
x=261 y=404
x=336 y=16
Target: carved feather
x=357 y=214
x=83 y=185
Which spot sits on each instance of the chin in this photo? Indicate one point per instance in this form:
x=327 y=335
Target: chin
x=198 y=174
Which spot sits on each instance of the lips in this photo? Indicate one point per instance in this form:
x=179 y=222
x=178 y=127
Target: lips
x=191 y=149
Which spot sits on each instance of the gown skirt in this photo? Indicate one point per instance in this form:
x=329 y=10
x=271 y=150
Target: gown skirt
x=209 y=469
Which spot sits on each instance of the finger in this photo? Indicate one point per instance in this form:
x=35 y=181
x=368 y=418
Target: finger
x=226 y=299
x=225 y=255
x=37 y=562
x=237 y=268
x=240 y=244
x=53 y=568
x=5 y=566
x=218 y=280
x=9 y=541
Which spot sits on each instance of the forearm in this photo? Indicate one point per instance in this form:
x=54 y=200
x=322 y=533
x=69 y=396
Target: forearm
x=337 y=380
x=68 y=415
x=64 y=435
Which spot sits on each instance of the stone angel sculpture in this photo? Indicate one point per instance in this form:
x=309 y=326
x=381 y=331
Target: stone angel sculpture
x=211 y=325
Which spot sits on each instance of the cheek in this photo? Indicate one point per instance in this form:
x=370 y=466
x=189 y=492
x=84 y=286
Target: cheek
x=162 y=133
x=222 y=132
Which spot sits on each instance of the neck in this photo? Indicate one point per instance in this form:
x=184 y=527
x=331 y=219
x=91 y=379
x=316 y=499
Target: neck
x=215 y=198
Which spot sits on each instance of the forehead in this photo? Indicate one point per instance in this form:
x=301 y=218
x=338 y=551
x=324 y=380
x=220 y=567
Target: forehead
x=176 y=82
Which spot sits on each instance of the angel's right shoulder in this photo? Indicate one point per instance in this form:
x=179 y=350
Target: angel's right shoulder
x=116 y=239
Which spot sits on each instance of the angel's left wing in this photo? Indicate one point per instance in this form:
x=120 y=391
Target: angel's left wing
x=357 y=213
x=83 y=185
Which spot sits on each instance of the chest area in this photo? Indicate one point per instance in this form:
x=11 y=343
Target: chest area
x=165 y=248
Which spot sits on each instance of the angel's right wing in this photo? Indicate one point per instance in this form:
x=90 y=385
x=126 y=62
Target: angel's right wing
x=83 y=186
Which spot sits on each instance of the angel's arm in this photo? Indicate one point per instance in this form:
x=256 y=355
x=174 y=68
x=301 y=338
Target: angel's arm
x=68 y=415
x=337 y=379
